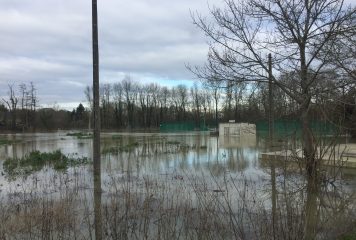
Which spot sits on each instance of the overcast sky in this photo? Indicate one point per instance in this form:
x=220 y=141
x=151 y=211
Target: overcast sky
x=48 y=42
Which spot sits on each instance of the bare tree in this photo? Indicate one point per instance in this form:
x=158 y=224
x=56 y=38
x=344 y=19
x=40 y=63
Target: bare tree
x=197 y=101
x=24 y=109
x=175 y=103
x=118 y=102
x=163 y=100
x=88 y=92
x=154 y=90
x=205 y=103
x=343 y=57
x=148 y=99
x=182 y=93
x=215 y=88
x=12 y=105
x=238 y=90
x=105 y=93
x=32 y=99
x=295 y=31
x=130 y=94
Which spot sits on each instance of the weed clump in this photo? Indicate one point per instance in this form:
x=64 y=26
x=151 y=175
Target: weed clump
x=36 y=161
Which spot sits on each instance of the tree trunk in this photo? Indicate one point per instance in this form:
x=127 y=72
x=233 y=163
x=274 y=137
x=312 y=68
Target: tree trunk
x=307 y=135
x=308 y=144
x=216 y=115
x=13 y=119
x=311 y=209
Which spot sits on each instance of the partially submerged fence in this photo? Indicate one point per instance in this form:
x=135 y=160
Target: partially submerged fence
x=295 y=126
x=182 y=127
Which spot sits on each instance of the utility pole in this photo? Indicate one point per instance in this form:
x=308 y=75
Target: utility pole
x=270 y=135
x=270 y=100
x=96 y=112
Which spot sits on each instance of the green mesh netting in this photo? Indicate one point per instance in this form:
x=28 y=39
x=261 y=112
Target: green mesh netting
x=295 y=126
x=182 y=127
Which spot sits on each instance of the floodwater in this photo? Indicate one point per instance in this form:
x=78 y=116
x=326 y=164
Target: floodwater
x=174 y=157
x=149 y=153
x=153 y=153
x=156 y=154
x=143 y=154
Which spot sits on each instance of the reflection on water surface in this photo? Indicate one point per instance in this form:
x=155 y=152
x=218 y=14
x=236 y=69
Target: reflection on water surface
x=151 y=153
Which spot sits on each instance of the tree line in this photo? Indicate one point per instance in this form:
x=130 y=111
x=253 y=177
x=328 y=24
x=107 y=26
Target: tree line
x=129 y=104
x=20 y=110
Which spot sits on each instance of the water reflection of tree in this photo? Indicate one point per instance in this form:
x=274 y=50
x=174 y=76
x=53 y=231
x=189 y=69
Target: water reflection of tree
x=237 y=161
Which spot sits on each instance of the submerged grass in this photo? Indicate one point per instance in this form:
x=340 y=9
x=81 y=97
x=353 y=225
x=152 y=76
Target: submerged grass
x=116 y=137
x=126 y=148
x=80 y=135
x=6 y=141
x=36 y=161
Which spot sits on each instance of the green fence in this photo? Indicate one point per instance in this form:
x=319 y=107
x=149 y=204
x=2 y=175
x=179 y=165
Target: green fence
x=291 y=126
x=181 y=127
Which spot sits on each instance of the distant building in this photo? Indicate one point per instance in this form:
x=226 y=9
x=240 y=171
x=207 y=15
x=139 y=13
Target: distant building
x=236 y=129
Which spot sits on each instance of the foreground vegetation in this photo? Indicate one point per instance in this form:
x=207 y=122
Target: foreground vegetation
x=171 y=207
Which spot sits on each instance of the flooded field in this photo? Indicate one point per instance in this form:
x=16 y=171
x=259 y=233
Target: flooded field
x=157 y=153
x=167 y=186
x=148 y=154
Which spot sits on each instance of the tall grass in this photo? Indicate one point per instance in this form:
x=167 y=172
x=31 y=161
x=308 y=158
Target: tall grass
x=166 y=207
